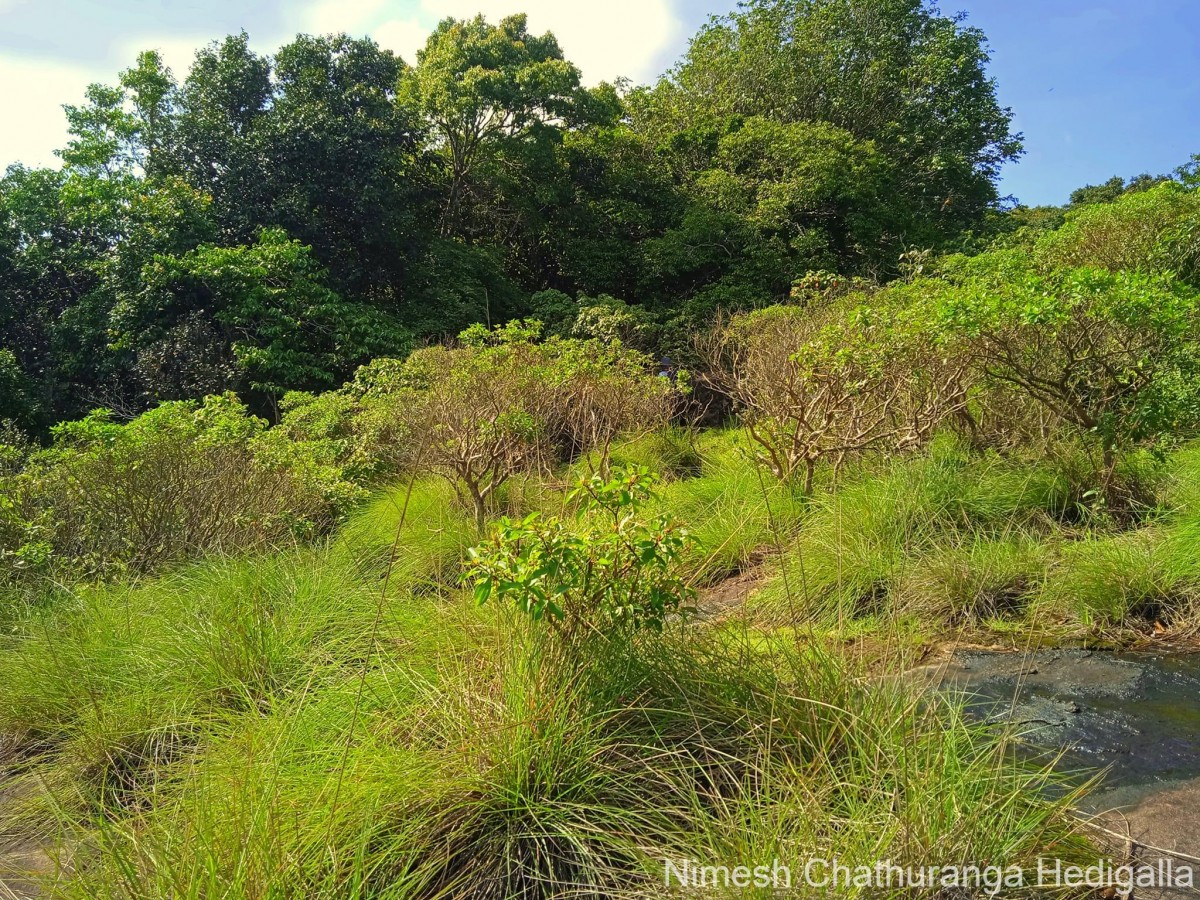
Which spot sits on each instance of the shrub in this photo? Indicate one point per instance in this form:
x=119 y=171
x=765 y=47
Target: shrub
x=827 y=382
x=602 y=390
x=183 y=479
x=1151 y=231
x=1113 y=355
x=611 y=570
x=495 y=404
x=608 y=319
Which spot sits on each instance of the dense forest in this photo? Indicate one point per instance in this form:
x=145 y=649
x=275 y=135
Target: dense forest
x=448 y=480
x=267 y=223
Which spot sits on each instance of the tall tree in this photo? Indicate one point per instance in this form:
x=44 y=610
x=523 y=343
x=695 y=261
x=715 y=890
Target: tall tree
x=894 y=72
x=483 y=87
x=215 y=144
x=345 y=174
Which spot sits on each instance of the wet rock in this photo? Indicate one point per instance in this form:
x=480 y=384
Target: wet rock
x=1136 y=714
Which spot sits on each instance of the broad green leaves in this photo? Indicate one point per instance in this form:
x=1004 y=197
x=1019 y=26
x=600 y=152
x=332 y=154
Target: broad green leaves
x=608 y=570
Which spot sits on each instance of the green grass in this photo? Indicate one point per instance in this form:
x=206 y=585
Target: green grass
x=1134 y=579
x=733 y=510
x=282 y=725
x=979 y=579
x=499 y=767
x=307 y=723
x=427 y=552
x=944 y=535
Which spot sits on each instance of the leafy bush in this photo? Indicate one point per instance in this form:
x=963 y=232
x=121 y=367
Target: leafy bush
x=183 y=479
x=478 y=412
x=611 y=570
x=290 y=329
x=1114 y=355
x=830 y=381
x=1151 y=231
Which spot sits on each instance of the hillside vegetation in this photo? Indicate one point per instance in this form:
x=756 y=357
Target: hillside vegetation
x=657 y=453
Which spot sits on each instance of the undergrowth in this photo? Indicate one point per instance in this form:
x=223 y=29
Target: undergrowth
x=345 y=721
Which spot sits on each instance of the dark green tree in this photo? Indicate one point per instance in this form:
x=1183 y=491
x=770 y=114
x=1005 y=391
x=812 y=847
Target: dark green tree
x=896 y=73
x=483 y=88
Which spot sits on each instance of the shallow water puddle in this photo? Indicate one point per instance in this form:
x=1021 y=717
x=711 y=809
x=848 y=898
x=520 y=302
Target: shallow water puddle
x=1136 y=714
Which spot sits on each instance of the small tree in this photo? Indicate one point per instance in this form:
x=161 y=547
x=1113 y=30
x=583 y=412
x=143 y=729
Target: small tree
x=500 y=403
x=609 y=570
x=1116 y=355
x=602 y=389
x=829 y=381
x=480 y=419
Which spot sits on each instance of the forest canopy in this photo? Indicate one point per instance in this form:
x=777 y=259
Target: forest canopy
x=265 y=223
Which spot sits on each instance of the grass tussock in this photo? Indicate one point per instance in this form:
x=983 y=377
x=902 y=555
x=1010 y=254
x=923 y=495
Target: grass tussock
x=946 y=535
x=958 y=539
x=1147 y=577
x=735 y=512
x=414 y=527
x=504 y=766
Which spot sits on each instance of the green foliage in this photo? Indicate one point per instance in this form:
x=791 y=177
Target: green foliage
x=1111 y=353
x=735 y=512
x=478 y=413
x=1116 y=188
x=483 y=86
x=183 y=479
x=15 y=402
x=611 y=570
x=834 y=379
x=868 y=70
x=265 y=224
x=1153 y=231
x=808 y=185
x=608 y=319
x=1134 y=579
x=946 y=535
x=285 y=328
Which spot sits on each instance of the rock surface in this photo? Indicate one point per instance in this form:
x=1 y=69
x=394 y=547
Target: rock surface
x=1136 y=717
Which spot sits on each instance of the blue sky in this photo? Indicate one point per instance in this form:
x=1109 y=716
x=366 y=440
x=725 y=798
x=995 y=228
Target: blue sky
x=1099 y=87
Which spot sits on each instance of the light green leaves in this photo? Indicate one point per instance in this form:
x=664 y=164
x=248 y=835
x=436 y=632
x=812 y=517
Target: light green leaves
x=609 y=569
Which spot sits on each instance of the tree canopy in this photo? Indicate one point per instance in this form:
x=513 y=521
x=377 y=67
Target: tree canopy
x=265 y=223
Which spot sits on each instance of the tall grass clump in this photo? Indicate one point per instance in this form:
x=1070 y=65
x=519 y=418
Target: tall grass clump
x=108 y=690
x=415 y=528
x=732 y=510
x=1147 y=577
x=895 y=538
x=567 y=737
x=511 y=770
x=974 y=580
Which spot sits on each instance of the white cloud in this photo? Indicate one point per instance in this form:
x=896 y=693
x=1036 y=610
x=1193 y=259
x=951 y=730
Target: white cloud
x=31 y=107
x=605 y=39
x=334 y=16
x=404 y=37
